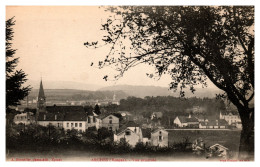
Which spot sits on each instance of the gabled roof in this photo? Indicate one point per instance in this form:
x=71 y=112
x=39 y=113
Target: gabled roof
x=104 y=115
x=126 y=126
x=53 y=109
x=63 y=113
x=184 y=119
x=192 y=119
x=51 y=116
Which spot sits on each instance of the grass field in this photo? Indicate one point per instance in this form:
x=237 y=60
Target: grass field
x=227 y=138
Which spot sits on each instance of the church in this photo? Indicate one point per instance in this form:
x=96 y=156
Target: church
x=68 y=117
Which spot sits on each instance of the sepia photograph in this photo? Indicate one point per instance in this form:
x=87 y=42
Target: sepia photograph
x=130 y=83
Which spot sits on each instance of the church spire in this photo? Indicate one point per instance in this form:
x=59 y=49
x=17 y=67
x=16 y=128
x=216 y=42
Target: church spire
x=41 y=98
x=41 y=91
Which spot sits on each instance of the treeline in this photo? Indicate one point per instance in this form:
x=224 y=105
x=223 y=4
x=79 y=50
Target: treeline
x=171 y=104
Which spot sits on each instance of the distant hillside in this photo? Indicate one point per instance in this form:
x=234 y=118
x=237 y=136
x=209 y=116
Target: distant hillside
x=72 y=94
x=142 y=91
x=63 y=85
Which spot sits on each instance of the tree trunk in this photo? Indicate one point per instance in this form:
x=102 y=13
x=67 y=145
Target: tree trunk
x=246 y=148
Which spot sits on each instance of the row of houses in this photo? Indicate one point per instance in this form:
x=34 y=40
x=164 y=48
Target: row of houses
x=202 y=122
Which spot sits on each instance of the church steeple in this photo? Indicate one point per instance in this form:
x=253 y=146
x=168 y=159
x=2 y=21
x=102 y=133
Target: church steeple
x=41 y=98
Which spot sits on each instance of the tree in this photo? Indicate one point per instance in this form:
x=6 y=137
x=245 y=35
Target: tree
x=14 y=78
x=97 y=109
x=193 y=44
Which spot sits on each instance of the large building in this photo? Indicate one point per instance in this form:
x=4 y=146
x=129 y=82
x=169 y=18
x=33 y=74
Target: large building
x=67 y=117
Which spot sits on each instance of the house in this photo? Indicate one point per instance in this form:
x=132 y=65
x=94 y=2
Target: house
x=218 y=150
x=156 y=115
x=230 y=117
x=108 y=121
x=24 y=118
x=131 y=132
x=159 y=137
x=213 y=124
x=182 y=121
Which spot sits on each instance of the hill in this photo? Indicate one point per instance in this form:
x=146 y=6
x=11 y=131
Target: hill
x=142 y=91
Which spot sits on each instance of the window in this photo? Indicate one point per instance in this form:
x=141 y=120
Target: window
x=76 y=124
x=110 y=121
x=110 y=128
x=94 y=119
x=110 y=117
x=89 y=121
x=68 y=124
x=80 y=131
x=58 y=124
x=80 y=124
x=127 y=133
x=160 y=138
x=71 y=124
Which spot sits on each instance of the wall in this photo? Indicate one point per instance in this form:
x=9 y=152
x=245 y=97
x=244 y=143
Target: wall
x=155 y=138
x=132 y=139
x=83 y=128
x=115 y=122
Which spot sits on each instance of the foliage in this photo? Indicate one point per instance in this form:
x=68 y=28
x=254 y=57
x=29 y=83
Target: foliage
x=167 y=105
x=14 y=78
x=191 y=44
x=97 y=109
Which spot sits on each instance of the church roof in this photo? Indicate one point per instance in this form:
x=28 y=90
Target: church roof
x=64 y=113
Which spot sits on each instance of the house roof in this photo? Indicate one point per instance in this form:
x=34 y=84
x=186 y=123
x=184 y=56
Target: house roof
x=53 y=109
x=104 y=115
x=126 y=126
x=184 y=119
x=63 y=113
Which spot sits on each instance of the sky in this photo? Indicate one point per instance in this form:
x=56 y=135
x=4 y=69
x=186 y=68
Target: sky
x=50 y=44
